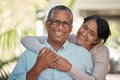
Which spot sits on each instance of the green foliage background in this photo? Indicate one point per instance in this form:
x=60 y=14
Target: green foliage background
x=17 y=20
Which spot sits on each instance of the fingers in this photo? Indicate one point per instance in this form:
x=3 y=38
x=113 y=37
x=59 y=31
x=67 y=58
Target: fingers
x=62 y=64
x=57 y=62
x=52 y=60
x=48 y=56
x=43 y=51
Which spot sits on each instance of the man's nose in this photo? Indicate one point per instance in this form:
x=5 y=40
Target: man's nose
x=61 y=25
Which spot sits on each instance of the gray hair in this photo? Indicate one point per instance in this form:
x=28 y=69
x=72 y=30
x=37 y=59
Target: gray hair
x=60 y=7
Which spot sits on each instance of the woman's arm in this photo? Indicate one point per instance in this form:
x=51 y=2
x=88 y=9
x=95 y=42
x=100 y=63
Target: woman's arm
x=33 y=43
x=72 y=38
x=101 y=59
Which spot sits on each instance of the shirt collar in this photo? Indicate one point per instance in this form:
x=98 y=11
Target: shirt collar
x=50 y=47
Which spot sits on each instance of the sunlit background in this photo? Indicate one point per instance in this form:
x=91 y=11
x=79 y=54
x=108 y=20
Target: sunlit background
x=20 y=18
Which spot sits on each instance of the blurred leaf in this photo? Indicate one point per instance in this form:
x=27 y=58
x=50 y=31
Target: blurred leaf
x=3 y=72
x=69 y=3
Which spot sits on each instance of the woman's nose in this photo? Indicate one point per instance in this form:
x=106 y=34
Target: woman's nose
x=85 y=33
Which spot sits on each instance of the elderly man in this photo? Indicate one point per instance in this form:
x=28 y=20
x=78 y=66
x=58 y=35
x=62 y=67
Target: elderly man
x=44 y=66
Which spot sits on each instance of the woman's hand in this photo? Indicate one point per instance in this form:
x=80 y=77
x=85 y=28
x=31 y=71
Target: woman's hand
x=62 y=64
x=52 y=60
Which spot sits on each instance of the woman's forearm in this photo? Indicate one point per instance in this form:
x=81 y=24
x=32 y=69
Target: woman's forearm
x=101 y=59
x=80 y=75
x=33 y=43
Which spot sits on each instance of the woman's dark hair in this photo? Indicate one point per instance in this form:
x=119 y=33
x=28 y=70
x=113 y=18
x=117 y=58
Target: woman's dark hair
x=103 y=29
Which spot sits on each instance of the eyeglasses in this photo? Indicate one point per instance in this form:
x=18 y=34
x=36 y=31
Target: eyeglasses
x=90 y=32
x=58 y=22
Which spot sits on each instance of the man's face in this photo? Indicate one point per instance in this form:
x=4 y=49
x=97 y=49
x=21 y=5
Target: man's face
x=59 y=27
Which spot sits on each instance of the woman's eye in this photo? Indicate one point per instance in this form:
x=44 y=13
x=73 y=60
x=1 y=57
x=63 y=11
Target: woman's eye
x=92 y=34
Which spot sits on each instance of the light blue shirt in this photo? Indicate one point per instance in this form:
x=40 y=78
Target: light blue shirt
x=76 y=55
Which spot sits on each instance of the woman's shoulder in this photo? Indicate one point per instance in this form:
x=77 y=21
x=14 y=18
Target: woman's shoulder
x=100 y=48
x=72 y=38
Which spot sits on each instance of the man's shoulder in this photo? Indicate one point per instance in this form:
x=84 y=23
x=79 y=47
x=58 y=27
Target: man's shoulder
x=77 y=46
x=28 y=53
x=79 y=49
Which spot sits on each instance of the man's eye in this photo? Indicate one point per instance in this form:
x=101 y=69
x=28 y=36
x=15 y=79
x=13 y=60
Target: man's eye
x=65 y=23
x=56 y=22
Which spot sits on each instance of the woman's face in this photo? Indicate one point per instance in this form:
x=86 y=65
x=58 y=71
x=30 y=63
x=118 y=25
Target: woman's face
x=87 y=34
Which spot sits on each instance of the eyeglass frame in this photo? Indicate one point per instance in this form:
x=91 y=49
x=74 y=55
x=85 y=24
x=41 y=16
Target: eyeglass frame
x=86 y=28
x=58 y=23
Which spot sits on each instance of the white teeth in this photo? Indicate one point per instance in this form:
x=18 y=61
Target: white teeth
x=58 y=33
x=82 y=38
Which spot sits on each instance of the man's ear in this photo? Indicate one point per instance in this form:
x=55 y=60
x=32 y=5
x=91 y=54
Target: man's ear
x=46 y=24
x=71 y=28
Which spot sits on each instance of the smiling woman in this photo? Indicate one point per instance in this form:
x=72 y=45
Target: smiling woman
x=87 y=34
